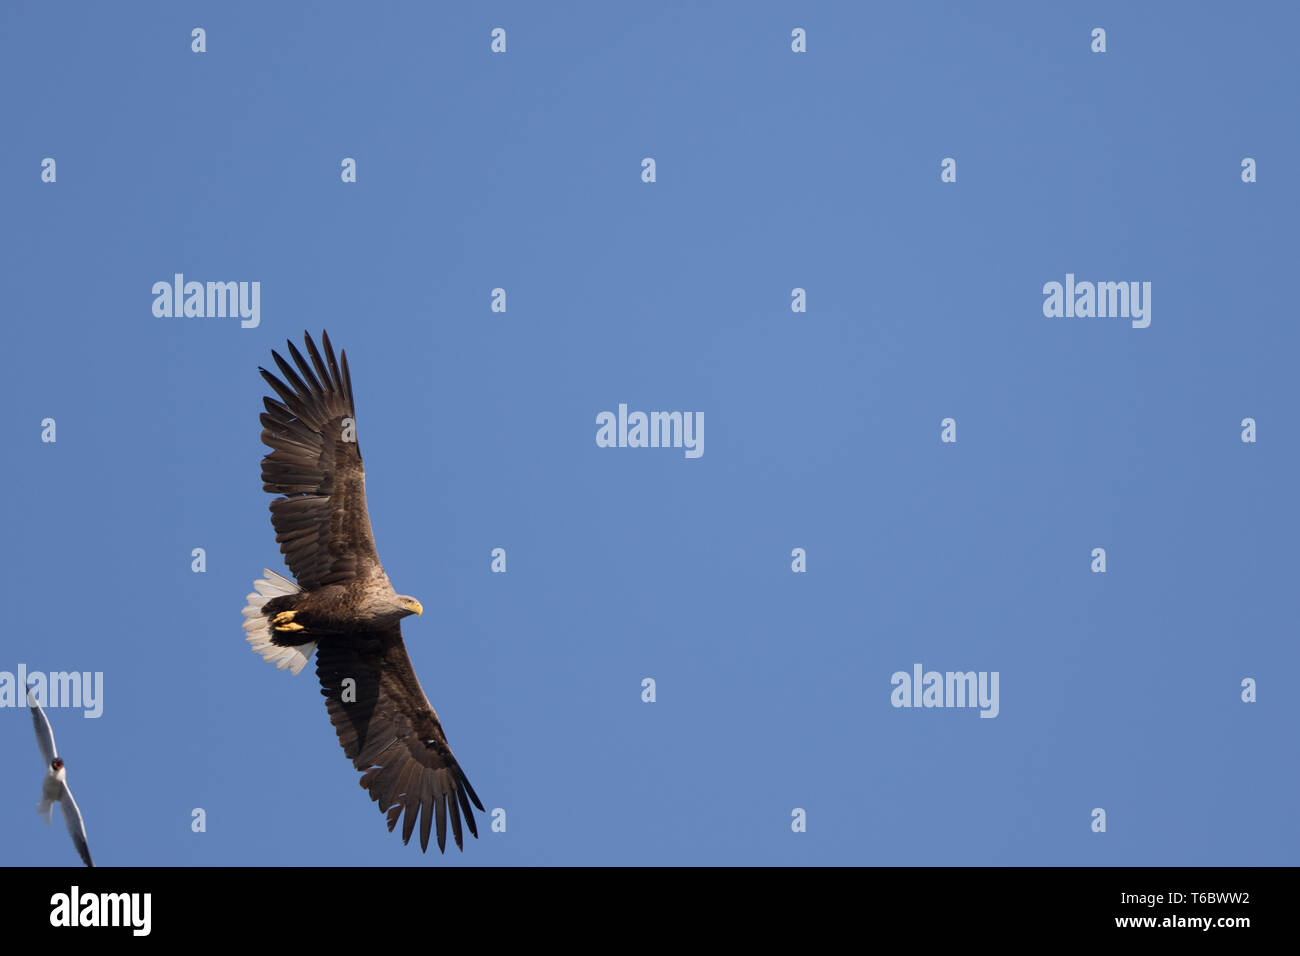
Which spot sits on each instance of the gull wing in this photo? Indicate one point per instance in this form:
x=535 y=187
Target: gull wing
x=44 y=734
x=76 y=827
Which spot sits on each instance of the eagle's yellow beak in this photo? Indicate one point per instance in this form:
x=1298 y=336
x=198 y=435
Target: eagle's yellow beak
x=417 y=607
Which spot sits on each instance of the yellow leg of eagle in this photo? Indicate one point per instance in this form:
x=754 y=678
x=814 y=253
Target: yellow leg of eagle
x=283 y=622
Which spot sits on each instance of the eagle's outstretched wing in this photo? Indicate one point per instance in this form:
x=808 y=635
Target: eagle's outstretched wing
x=321 y=523
x=389 y=730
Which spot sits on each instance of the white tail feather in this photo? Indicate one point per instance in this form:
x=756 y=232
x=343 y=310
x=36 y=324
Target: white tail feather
x=259 y=628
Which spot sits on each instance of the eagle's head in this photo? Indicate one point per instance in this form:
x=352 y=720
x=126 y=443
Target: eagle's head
x=56 y=764
x=409 y=605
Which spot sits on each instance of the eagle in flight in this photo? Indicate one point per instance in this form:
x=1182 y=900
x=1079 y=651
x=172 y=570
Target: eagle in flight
x=343 y=607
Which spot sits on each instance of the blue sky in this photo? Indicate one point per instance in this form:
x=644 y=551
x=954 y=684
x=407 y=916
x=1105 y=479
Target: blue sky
x=774 y=171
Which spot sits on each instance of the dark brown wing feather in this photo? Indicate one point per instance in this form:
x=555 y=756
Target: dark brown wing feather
x=392 y=734
x=321 y=523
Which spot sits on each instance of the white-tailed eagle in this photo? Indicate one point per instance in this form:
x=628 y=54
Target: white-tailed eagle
x=343 y=607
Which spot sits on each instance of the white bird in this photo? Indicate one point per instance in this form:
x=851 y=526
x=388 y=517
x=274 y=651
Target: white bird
x=55 y=785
